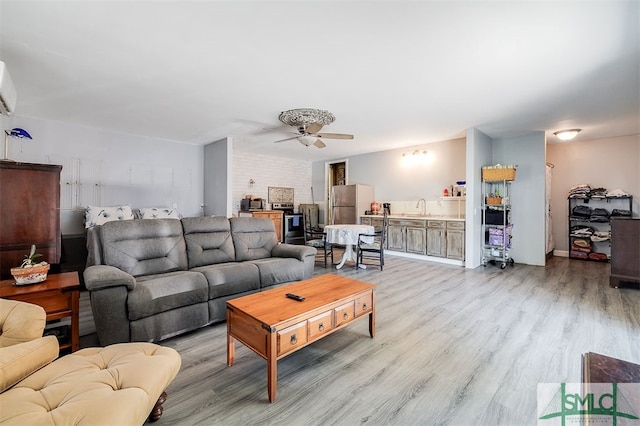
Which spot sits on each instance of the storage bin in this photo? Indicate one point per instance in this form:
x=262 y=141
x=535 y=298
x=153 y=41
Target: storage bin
x=498 y=174
x=496 y=217
x=497 y=235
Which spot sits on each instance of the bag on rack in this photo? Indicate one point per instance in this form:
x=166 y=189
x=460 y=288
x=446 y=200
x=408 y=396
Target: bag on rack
x=496 y=216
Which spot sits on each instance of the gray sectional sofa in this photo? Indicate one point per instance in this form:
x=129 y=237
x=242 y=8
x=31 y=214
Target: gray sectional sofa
x=151 y=279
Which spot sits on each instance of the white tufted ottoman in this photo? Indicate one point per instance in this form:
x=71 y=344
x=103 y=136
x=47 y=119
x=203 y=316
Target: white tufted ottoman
x=121 y=384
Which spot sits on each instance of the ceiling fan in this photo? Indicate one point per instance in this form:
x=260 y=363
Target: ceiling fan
x=309 y=121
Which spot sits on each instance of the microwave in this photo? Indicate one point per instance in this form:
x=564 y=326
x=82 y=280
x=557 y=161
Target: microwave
x=247 y=204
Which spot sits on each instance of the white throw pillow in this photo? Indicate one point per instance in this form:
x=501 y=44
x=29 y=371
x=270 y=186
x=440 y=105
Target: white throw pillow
x=159 y=213
x=95 y=215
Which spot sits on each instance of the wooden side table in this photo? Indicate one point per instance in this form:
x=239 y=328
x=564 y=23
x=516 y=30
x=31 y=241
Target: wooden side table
x=59 y=295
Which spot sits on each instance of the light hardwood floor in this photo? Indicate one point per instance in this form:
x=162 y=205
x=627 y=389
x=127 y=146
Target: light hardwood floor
x=452 y=346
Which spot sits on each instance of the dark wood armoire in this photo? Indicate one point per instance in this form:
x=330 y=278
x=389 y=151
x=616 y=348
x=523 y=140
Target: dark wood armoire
x=29 y=213
x=625 y=251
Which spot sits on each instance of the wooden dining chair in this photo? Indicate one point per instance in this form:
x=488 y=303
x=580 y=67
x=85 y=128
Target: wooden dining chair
x=372 y=250
x=314 y=236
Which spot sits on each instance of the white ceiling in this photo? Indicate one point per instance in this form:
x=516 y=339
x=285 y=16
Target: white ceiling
x=394 y=73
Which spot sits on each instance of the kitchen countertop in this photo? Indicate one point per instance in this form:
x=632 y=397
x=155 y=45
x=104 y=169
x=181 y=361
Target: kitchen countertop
x=416 y=216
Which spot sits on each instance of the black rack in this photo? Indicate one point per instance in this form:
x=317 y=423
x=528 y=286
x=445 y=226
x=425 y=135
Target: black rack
x=585 y=221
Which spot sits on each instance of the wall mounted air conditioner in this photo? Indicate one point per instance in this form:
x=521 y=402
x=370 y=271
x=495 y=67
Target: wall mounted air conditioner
x=8 y=94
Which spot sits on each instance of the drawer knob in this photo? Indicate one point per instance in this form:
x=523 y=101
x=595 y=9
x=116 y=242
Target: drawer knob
x=321 y=326
x=294 y=339
x=364 y=306
x=345 y=315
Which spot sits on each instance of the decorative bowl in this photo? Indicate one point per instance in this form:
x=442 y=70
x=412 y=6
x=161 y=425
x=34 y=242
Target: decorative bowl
x=30 y=275
x=461 y=182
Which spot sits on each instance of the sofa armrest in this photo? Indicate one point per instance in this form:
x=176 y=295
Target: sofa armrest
x=20 y=322
x=20 y=360
x=293 y=250
x=102 y=276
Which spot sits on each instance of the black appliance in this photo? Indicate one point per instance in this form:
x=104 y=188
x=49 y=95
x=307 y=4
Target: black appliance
x=292 y=223
x=248 y=205
x=386 y=208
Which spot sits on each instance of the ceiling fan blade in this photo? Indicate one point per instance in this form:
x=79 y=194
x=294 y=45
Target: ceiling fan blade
x=319 y=143
x=313 y=127
x=334 y=136
x=287 y=139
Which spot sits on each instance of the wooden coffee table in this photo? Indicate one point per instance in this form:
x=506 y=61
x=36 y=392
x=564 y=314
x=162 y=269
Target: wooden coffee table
x=274 y=326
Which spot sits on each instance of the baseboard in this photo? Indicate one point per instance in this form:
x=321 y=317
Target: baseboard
x=561 y=253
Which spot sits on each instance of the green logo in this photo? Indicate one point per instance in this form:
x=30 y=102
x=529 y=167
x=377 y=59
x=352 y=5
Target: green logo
x=588 y=401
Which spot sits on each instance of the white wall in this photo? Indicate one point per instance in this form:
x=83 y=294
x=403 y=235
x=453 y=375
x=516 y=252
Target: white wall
x=479 y=153
x=528 y=194
x=107 y=168
x=217 y=186
x=402 y=178
x=610 y=163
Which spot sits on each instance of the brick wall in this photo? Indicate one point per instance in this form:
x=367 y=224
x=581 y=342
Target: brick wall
x=268 y=171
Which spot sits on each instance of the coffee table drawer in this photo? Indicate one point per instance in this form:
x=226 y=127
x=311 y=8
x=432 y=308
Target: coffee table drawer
x=292 y=337
x=319 y=325
x=364 y=304
x=344 y=313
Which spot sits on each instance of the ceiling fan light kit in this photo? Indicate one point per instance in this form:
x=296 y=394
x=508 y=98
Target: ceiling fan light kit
x=567 y=135
x=308 y=122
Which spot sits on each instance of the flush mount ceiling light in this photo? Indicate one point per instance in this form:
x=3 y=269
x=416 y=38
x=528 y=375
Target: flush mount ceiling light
x=567 y=135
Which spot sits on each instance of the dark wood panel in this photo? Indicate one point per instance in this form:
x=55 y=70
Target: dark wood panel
x=625 y=251
x=30 y=212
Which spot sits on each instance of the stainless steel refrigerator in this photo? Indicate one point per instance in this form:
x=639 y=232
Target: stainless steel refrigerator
x=348 y=202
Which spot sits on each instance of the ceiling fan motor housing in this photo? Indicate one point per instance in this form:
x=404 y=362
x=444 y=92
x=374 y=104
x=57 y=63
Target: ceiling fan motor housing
x=301 y=117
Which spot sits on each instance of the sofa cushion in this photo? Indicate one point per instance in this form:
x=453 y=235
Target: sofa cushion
x=277 y=270
x=230 y=278
x=165 y=325
x=159 y=293
x=253 y=238
x=116 y=385
x=208 y=240
x=144 y=247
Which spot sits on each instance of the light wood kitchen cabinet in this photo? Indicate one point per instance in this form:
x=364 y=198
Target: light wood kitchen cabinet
x=455 y=240
x=395 y=237
x=416 y=240
x=436 y=238
x=274 y=215
x=407 y=235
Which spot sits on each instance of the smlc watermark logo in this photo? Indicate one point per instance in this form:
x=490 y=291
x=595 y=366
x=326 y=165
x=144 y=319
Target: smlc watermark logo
x=616 y=404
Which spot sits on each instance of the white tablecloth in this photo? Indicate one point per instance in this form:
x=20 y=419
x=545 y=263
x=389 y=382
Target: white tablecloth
x=347 y=235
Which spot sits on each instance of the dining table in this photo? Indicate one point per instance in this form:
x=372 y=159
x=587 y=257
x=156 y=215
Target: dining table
x=348 y=235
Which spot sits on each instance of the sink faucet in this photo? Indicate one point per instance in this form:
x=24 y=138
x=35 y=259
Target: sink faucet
x=424 y=206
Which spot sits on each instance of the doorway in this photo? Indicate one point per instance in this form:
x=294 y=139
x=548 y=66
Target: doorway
x=335 y=174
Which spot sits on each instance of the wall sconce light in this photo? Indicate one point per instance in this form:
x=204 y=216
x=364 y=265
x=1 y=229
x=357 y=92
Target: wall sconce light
x=567 y=135
x=14 y=133
x=251 y=183
x=415 y=153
